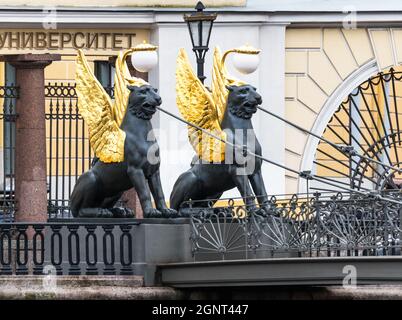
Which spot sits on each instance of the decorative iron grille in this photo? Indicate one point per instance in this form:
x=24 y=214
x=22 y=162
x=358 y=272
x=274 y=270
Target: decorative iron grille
x=368 y=120
x=328 y=225
x=8 y=95
x=67 y=248
x=68 y=150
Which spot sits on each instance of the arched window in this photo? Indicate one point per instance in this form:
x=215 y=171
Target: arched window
x=370 y=120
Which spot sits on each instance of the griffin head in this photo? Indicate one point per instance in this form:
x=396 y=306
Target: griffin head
x=143 y=100
x=243 y=100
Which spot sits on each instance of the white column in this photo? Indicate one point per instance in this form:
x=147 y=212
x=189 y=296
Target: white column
x=272 y=88
x=176 y=151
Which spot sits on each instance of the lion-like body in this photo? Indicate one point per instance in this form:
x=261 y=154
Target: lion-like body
x=209 y=180
x=98 y=189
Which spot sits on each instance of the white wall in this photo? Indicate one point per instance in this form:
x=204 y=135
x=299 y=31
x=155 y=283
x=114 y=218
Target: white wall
x=272 y=88
x=176 y=152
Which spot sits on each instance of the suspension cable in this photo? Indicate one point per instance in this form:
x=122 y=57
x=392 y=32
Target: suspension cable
x=305 y=175
x=347 y=150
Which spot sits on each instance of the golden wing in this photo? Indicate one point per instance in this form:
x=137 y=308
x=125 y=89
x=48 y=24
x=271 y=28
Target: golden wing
x=95 y=106
x=219 y=82
x=121 y=92
x=196 y=105
x=123 y=78
x=221 y=79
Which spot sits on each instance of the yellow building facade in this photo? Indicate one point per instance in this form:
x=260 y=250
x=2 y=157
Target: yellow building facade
x=319 y=62
x=307 y=69
x=68 y=152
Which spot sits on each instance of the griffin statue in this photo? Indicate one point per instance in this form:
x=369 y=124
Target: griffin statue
x=226 y=113
x=121 y=135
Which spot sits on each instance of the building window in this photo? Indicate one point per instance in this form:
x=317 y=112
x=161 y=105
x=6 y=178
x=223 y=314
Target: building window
x=104 y=72
x=9 y=126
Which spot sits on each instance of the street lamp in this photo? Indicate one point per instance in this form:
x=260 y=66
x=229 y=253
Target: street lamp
x=144 y=57
x=200 y=27
x=245 y=58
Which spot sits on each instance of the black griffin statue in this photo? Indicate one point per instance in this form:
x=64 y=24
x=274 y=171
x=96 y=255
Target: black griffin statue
x=206 y=179
x=130 y=154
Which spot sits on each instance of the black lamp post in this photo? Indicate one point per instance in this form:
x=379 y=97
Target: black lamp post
x=200 y=27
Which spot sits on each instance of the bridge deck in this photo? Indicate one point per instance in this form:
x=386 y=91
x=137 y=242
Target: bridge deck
x=282 y=271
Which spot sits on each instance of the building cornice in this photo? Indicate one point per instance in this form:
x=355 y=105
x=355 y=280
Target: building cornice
x=124 y=17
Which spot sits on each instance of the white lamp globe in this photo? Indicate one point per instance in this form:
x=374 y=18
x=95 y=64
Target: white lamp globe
x=145 y=60
x=246 y=63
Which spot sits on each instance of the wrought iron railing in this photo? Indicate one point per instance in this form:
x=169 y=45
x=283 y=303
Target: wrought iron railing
x=67 y=248
x=369 y=120
x=8 y=96
x=325 y=225
x=68 y=150
x=67 y=147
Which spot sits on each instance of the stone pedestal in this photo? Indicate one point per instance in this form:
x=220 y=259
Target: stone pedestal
x=160 y=241
x=30 y=144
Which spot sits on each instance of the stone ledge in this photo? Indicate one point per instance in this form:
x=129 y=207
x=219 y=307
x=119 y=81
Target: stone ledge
x=73 y=281
x=368 y=292
x=31 y=57
x=89 y=293
x=117 y=221
x=130 y=288
x=380 y=292
x=82 y=288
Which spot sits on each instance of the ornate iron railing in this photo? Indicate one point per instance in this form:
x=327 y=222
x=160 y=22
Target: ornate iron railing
x=67 y=147
x=369 y=120
x=68 y=150
x=67 y=248
x=325 y=225
x=8 y=95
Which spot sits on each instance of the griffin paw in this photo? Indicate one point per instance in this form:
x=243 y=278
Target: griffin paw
x=152 y=213
x=95 y=213
x=169 y=213
x=258 y=211
x=122 y=213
